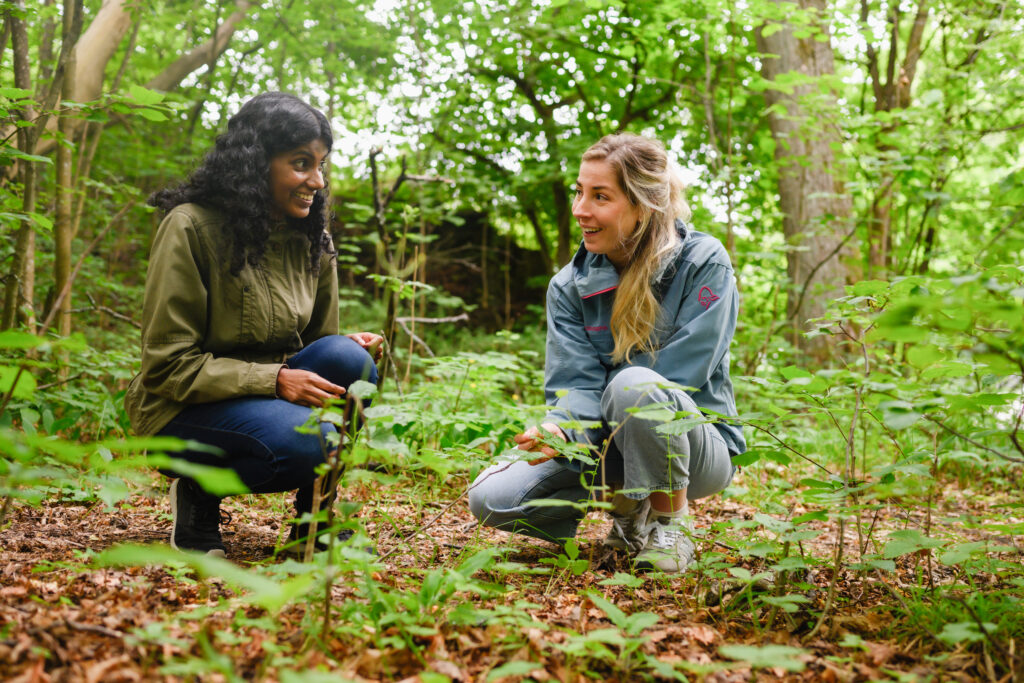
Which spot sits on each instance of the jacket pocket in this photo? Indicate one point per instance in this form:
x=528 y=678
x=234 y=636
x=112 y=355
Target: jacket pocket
x=601 y=338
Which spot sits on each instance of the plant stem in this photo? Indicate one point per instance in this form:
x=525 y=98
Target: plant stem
x=832 y=584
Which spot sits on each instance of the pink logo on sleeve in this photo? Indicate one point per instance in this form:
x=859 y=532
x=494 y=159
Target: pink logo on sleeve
x=706 y=297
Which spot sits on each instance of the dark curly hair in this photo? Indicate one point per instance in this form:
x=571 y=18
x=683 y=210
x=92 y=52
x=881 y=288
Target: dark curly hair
x=234 y=176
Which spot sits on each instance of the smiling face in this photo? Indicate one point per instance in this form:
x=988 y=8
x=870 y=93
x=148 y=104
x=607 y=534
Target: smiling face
x=295 y=177
x=604 y=213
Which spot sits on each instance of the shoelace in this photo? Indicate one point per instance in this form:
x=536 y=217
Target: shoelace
x=629 y=529
x=665 y=536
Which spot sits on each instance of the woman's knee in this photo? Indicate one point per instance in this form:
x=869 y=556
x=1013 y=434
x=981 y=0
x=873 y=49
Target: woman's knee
x=488 y=494
x=632 y=387
x=338 y=358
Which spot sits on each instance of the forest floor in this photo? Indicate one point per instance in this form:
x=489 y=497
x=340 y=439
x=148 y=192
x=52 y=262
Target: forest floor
x=64 y=618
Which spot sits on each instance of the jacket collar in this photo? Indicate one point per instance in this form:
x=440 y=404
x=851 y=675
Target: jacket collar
x=594 y=274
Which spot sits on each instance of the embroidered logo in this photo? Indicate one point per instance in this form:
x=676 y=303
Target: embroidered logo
x=706 y=297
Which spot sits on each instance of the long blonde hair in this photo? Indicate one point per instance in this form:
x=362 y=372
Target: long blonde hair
x=652 y=184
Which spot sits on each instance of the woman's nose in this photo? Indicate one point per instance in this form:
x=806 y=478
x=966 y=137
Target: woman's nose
x=579 y=207
x=317 y=179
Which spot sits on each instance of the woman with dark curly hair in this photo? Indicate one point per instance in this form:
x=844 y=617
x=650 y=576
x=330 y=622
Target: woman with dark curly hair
x=240 y=321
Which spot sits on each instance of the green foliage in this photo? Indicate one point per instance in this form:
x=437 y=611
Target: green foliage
x=920 y=411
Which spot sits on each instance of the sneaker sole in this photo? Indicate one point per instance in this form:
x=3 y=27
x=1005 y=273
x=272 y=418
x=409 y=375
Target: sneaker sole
x=648 y=566
x=216 y=552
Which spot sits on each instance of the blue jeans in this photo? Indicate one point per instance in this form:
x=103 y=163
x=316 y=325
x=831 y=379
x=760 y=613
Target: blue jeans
x=256 y=434
x=638 y=459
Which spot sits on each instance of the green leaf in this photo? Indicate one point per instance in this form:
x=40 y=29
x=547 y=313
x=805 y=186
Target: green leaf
x=898 y=415
x=746 y=459
x=615 y=615
x=792 y=372
x=788 y=603
x=964 y=632
x=788 y=564
x=151 y=114
x=25 y=387
x=868 y=287
x=144 y=96
x=923 y=355
x=13 y=339
x=884 y=565
x=16 y=93
x=962 y=552
x=216 y=480
x=817 y=516
x=908 y=541
x=513 y=669
x=680 y=427
x=362 y=389
x=623 y=579
x=42 y=221
x=766 y=656
x=949 y=368
x=17 y=154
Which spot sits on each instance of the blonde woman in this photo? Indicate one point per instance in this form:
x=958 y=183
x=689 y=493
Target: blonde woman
x=643 y=314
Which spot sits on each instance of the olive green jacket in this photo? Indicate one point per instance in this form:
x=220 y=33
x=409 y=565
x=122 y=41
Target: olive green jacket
x=208 y=335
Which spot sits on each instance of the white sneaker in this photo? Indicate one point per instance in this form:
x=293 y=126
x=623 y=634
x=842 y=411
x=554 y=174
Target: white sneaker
x=669 y=547
x=629 y=524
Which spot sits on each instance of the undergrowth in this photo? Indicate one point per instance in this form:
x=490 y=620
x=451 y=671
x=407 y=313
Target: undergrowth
x=879 y=502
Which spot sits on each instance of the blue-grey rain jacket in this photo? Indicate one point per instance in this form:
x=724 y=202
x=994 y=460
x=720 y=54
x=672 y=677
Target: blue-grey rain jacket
x=699 y=305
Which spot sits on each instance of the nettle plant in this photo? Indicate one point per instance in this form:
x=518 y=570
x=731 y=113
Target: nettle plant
x=930 y=387
x=465 y=408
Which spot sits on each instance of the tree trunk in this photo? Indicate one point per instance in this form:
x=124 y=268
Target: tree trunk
x=44 y=66
x=815 y=209
x=63 y=227
x=891 y=94
x=530 y=211
x=880 y=226
x=20 y=289
x=563 y=220
x=98 y=44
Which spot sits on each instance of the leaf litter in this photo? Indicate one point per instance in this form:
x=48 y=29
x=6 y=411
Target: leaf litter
x=63 y=618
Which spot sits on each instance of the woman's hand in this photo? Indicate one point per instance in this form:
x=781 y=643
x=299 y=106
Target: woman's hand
x=530 y=441
x=373 y=343
x=306 y=388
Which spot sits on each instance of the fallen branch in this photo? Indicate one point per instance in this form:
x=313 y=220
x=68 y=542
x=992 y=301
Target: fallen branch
x=94 y=628
x=414 y=337
x=109 y=311
x=462 y=317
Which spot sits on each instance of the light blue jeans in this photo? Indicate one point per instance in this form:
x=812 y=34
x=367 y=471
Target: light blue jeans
x=638 y=459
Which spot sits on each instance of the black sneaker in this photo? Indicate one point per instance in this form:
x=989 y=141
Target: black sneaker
x=196 y=519
x=295 y=546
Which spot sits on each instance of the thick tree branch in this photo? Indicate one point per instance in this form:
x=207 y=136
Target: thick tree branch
x=876 y=78
x=175 y=73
